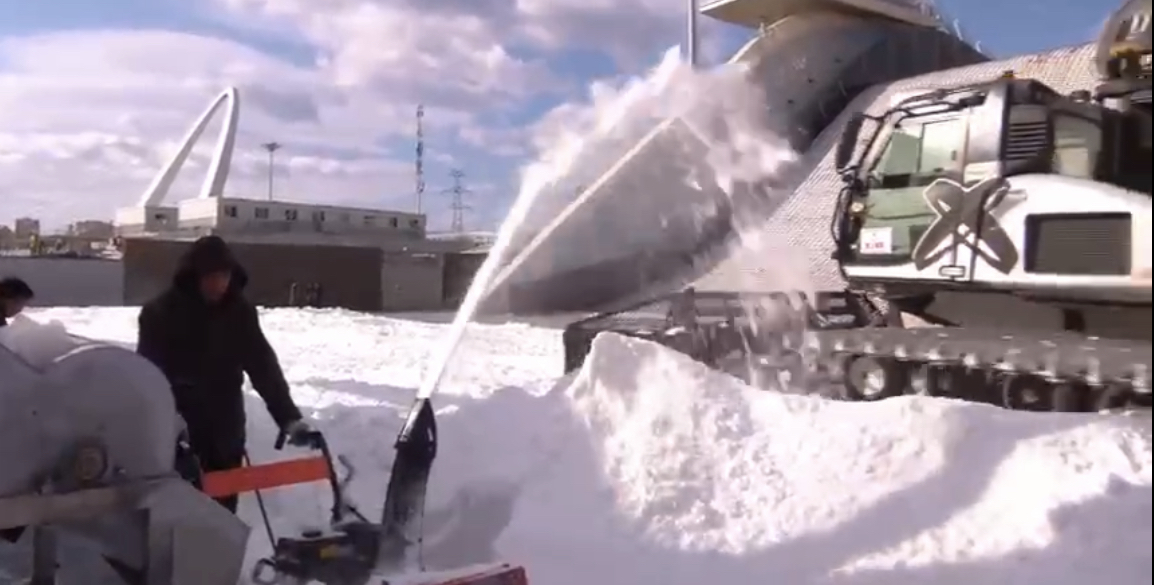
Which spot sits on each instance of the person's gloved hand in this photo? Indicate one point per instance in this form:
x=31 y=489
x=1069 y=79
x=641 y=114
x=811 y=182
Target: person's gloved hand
x=299 y=434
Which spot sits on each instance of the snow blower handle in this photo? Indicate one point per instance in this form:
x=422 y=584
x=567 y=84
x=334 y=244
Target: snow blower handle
x=314 y=439
x=310 y=438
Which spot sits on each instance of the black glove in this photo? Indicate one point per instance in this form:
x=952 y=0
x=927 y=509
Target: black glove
x=300 y=434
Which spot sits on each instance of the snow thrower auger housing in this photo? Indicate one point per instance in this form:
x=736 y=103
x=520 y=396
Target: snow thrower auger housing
x=89 y=436
x=353 y=550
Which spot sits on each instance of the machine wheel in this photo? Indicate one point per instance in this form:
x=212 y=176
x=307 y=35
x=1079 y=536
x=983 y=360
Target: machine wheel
x=1037 y=394
x=870 y=379
x=939 y=380
x=1113 y=398
x=1070 y=397
x=1024 y=392
x=953 y=381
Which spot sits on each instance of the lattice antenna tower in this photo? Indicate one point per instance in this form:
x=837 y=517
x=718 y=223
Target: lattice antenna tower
x=458 y=191
x=420 y=158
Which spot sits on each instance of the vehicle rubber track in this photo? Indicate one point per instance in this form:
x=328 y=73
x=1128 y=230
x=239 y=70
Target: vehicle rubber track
x=1027 y=370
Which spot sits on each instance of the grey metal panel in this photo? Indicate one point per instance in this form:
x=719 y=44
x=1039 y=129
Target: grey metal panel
x=348 y=275
x=460 y=268
x=68 y=282
x=802 y=223
x=752 y=13
x=411 y=282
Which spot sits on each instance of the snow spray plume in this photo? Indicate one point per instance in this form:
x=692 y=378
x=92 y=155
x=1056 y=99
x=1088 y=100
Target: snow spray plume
x=726 y=160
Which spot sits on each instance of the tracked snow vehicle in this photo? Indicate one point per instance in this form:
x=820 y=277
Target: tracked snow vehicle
x=1013 y=220
x=1005 y=195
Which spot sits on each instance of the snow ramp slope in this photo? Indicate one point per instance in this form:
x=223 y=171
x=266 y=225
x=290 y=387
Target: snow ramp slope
x=647 y=467
x=641 y=204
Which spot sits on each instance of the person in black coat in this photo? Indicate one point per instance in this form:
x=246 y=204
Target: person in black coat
x=14 y=296
x=204 y=335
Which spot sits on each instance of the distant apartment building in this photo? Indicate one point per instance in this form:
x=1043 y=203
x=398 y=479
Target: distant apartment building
x=92 y=229
x=27 y=228
x=7 y=238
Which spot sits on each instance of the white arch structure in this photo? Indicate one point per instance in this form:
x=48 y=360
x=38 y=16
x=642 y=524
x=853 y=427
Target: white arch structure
x=218 y=170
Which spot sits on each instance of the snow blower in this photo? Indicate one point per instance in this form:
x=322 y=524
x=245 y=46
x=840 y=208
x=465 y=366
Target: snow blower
x=354 y=550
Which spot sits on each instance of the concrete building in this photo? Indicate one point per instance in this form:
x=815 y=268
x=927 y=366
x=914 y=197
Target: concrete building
x=92 y=229
x=7 y=238
x=26 y=228
x=309 y=244
x=235 y=216
x=212 y=211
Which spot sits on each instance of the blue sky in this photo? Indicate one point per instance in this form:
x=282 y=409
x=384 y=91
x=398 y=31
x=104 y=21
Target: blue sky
x=92 y=93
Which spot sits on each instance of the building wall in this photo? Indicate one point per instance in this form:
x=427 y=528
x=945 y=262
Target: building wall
x=69 y=282
x=250 y=215
x=198 y=209
x=92 y=229
x=348 y=275
x=245 y=216
x=26 y=227
x=7 y=238
x=460 y=268
x=408 y=281
x=411 y=281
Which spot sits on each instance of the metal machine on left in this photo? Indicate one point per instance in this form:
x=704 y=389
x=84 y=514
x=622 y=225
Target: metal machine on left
x=89 y=442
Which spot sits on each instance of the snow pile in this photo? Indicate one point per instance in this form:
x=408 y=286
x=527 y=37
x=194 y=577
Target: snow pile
x=38 y=344
x=646 y=467
x=670 y=473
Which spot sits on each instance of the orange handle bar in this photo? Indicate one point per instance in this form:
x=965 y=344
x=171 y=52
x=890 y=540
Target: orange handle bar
x=251 y=478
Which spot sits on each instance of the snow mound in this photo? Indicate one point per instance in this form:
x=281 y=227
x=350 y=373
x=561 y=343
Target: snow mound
x=38 y=344
x=648 y=467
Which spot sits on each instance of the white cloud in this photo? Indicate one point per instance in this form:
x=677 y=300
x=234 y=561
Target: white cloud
x=88 y=117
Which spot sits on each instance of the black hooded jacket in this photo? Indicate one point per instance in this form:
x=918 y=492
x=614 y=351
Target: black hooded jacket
x=205 y=349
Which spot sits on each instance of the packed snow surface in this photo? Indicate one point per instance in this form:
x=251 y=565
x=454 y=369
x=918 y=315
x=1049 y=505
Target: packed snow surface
x=647 y=468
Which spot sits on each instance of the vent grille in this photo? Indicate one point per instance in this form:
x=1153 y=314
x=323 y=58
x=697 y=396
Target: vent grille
x=1089 y=244
x=1026 y=140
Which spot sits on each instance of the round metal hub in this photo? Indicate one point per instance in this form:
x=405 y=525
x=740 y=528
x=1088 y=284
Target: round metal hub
x=89 y=462
x=869 y=377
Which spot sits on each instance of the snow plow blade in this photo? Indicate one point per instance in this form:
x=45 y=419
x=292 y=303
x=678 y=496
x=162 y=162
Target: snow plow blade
x=498 y=575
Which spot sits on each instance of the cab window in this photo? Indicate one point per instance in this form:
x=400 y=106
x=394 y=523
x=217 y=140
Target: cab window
x=1077 y=144
x=920 y=152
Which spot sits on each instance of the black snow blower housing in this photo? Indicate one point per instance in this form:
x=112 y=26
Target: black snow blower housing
x=354 y=549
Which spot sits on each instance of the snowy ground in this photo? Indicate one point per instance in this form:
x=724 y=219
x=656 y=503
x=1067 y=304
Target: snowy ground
x=645 y=468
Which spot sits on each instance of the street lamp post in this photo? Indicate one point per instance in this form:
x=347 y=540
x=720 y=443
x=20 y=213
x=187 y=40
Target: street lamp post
x=271 y=147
